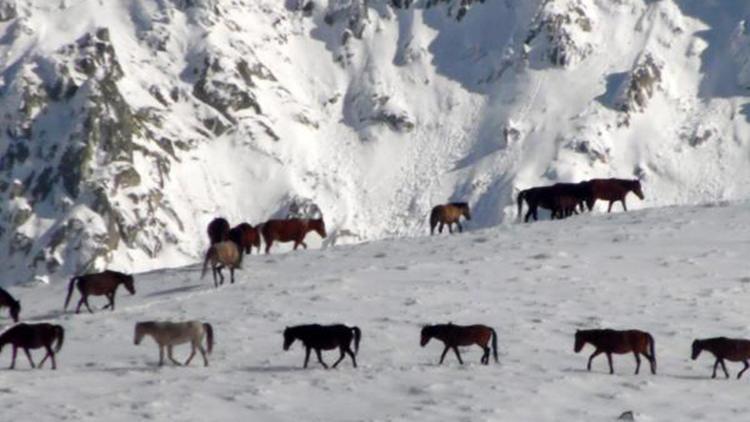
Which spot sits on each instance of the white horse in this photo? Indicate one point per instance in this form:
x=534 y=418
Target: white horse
x=166 y=333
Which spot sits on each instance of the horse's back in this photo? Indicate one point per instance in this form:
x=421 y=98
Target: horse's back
x=169 y=332
x=733 y=349
x=284 y=230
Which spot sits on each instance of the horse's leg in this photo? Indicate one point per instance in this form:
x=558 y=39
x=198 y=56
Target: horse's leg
x=351 y=354
x=486 y=355
x=609 y=209
x=307 y=356
x=161 y=355
x=596 y=353
x=203 y=353
x=80 y=302
x=609 y=359
x=651 y=361
x=169 y=354
x=528 y=215
x=320 y=358
x=296 y=245
x=450 y=228
x=716 y=365
x=28 y=355
x=637 y=362
x=192 y=353
x=13 y=360
x=460 y=227
x=343 y=353
x=743 y=369
x=724 y=367
x=440 y=227
x=268 y=246
x=86 y=302
x=304 y=245
x=442 y=357
x=624 y=207
x=231 y=275
x=458 y=355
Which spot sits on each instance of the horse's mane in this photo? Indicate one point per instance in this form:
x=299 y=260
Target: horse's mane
x=460 y=204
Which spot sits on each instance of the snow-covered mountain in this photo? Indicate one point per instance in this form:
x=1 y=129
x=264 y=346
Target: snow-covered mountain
x=126 y=125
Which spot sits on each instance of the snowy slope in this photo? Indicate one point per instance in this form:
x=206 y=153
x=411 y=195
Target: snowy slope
x=678 y=272
x=126 y=125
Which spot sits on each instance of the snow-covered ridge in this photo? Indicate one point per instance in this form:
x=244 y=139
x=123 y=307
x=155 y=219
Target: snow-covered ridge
x=126 y=125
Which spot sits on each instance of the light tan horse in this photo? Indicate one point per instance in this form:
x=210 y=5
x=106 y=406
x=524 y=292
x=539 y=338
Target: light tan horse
x=168 y=334
x=222 y=254
x=449 y=214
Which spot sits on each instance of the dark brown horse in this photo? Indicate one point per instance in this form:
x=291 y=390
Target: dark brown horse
x=7 y=300
x=324 y=337
x=572 y=196
x=731 y=349
x=449 y=214
x=34 y=336
x=614 y=190
x=245 y=236
x=458 y=335
x=218 y=230
x=291 y=230
x=618 y=342
x=97 y=284
x=536 y=197
x=220 y=255
x=562 y=199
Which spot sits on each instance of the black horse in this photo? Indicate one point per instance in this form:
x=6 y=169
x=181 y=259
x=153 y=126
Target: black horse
x=324 y=337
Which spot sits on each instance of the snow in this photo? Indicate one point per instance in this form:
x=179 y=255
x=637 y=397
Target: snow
x=677 y=272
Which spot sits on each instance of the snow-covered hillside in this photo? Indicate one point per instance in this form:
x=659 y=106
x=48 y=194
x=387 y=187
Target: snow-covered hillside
x=679 y=273
x=126 y=125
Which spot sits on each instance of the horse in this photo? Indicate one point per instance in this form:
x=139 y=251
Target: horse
x=449 y=214
x=732 y=349
x=324 y=337
x=245 y=236
x=34 y=336
x=218 y=230
x=13 y=305
x=539 y=196
x=619 y=342
x=222 y=254
x=97 y=284
x=458 y=335
x=580 y=193
x=614 y=190
x=168 y=334
x=291 y=229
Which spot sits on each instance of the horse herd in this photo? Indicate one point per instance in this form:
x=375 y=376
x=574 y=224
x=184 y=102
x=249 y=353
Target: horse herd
x=228 y=245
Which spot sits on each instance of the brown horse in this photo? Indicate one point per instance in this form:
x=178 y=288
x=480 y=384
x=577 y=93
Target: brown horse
x=614 y=190
x=245 y=236
x=291 y=230
x=618 y=342
x=536 y=197
x=731 y=349
x=324 y=337
x=572 y=196
x=167 y=334
x=220 y=255
x=34 y=336
x=449 y=214
x=457 y=335
x=7 y=300
x=97 y=284
x=218 y=230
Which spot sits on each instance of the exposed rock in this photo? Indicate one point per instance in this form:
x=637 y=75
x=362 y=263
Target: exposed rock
x=640 y=85
x=300 y=207
x=8 y=10
x=561 y=34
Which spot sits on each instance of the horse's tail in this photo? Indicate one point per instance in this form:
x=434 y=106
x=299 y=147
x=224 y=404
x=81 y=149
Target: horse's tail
x=357 y=336
x=70 y=291
x=494 y=344
x=652 y=350
x=519 y=200
x=60 y=335
x=434 y=216
x=209 y=253
x=209 y=336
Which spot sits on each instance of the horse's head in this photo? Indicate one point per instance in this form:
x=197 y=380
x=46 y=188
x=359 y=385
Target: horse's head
x=427 y=333
x=128 y=282
x=15 y=309
x=697 y=348
x=466 y=211
x=580 y=341
x=319 y=226
x=636 y=188
x=288 y=338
